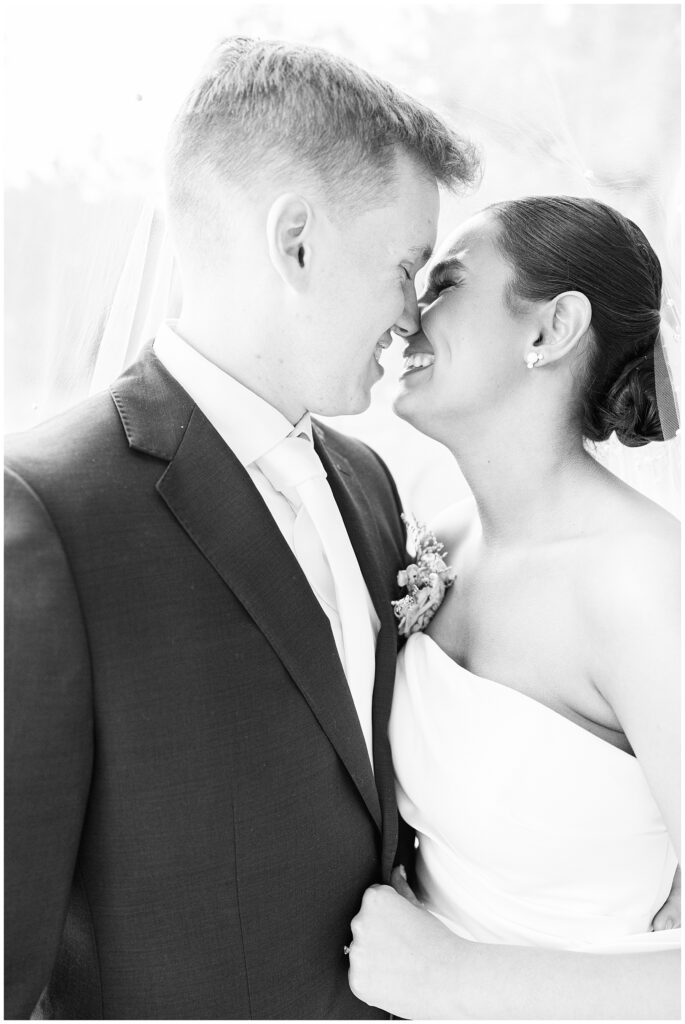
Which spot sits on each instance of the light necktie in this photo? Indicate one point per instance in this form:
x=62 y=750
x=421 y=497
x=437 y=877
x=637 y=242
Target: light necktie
x=325 y=553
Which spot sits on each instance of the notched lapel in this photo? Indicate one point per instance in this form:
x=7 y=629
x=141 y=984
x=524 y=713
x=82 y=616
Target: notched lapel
x=212 y=497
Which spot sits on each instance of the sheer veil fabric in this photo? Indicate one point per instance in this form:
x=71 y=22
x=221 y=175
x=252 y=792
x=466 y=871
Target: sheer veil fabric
x=147 y=293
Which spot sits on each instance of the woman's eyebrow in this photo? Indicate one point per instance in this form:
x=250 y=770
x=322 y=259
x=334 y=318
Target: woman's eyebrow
x=449 y=263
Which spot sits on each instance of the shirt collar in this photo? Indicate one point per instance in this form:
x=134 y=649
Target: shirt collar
x=248 y=424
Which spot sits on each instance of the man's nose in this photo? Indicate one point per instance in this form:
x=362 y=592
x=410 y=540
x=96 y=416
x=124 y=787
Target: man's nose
x=410 y=320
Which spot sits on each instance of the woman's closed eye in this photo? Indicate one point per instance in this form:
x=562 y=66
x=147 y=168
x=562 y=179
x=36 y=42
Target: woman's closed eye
x=438 y=284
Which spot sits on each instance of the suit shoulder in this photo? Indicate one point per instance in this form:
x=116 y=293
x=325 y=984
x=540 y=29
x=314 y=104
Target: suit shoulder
x=82 y=426
x=67 y=449
x=48 y=472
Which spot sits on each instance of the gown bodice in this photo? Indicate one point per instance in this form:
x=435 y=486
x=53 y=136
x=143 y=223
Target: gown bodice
x=532 y=830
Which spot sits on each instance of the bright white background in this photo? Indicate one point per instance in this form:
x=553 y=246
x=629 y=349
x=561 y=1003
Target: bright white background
x=581 y=99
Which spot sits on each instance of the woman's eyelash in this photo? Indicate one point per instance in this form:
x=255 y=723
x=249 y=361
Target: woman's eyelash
x=438 y=284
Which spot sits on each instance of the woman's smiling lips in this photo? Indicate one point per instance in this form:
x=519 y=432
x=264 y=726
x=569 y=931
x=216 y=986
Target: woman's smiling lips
x=417 y=357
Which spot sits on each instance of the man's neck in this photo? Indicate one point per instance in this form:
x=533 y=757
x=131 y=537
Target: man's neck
x=236 y=354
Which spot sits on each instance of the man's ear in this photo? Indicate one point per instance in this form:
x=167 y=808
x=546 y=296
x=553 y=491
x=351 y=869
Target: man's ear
x=288 y=233
x=564 y=322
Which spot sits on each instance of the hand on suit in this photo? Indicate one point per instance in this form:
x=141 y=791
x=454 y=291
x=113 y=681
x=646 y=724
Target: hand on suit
x=400 y=954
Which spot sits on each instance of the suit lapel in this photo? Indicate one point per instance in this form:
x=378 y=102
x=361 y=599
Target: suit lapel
x=212 y=497
x=360 y=522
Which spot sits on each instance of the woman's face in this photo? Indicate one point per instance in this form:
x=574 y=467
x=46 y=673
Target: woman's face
x=469 y=356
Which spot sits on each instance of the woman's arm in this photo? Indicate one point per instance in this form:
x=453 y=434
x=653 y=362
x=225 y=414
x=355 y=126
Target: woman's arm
x=633 y=623
x=406 y=962
x=669 y=916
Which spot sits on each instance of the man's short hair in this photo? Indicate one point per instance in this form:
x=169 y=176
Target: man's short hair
x=263 y=107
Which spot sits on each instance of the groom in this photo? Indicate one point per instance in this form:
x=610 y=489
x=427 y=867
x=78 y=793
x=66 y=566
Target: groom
x=200 y=642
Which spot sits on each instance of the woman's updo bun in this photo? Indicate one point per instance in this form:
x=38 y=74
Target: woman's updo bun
x=562 y=243
x=631 y=407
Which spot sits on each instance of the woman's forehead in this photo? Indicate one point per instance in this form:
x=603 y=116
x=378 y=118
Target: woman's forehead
x=475 y=231
x=471 y=239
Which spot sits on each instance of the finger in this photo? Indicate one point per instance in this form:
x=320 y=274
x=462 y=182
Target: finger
x=371 y=894
x=366 y=909
x=401 y=886
x=667 y=917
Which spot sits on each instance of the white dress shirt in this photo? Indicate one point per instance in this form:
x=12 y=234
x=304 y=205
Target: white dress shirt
x=251 y=428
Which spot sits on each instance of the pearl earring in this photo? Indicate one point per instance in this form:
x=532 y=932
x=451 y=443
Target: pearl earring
x=533 y=358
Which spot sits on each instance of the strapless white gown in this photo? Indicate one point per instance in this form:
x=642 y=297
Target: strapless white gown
x=532 y=831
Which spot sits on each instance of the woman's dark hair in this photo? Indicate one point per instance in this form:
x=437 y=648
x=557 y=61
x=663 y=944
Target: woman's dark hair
x=562 y=243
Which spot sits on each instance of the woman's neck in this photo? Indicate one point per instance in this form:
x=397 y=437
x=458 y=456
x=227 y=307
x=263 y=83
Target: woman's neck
x=525 y=479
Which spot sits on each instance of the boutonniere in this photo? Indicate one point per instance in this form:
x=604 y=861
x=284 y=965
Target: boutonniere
x=426 y=580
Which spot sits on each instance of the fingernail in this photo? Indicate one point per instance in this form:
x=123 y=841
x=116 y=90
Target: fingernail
x=403 y=872
x=670 y=923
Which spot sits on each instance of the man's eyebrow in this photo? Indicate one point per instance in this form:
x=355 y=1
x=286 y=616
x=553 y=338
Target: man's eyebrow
x=421 y=251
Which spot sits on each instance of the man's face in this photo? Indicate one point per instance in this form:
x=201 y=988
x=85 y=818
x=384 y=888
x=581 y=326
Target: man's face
x=363 y=288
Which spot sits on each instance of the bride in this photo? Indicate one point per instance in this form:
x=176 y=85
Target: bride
x=535 y=721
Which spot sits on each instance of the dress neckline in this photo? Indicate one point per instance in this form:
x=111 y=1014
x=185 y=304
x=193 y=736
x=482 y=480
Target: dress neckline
x=524 y=696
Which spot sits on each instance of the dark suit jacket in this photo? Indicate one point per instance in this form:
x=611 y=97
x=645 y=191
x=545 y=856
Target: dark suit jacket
x=191 y=817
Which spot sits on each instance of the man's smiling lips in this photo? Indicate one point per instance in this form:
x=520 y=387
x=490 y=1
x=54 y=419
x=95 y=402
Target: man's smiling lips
x=381 y=344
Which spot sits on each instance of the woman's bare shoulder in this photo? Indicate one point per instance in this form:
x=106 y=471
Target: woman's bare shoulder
x=629 y=571
x=638 y=537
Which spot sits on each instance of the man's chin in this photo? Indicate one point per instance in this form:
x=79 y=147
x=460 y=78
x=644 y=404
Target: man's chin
x=350 y=406
x=360 y=404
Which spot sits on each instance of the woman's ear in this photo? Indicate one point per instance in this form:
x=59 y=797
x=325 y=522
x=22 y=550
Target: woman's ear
x=564 y=323
x=288 y=232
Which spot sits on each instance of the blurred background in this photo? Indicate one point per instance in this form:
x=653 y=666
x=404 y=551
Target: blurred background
x=580 y=99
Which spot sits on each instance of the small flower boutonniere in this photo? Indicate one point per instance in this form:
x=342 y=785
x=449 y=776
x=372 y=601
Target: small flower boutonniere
x=426 y=580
